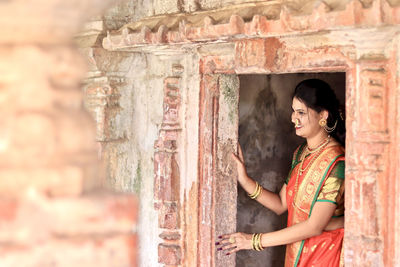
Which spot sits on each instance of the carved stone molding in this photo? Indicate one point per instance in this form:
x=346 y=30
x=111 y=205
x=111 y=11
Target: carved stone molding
x=100 y=99
x=250 y=22
x=166 y=169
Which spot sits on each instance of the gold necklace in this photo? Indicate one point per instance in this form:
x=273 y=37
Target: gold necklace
x=301 y=169
x=327 y=139
x=320 y=146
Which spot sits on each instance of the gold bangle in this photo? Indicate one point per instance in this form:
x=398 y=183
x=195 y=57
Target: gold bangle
x=260 y=188
x=257 y=191
x=256 y=242
x=255 y=246
x=253 y=238
x=260 y=247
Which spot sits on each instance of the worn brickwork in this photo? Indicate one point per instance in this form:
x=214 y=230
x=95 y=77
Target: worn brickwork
x=126 y=89
x=53 y=212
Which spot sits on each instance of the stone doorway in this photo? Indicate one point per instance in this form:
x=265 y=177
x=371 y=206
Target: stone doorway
x=268 y=140
x=367 y=89
x=226 y=100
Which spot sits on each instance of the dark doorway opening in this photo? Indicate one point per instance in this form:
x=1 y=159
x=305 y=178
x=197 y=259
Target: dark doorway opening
x=268 y=139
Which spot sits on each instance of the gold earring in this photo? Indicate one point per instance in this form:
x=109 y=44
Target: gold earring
x=330 y=129
x=322 y=122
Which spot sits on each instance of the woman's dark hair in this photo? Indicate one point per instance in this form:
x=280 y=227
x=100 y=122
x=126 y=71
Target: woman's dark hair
x=318 y=95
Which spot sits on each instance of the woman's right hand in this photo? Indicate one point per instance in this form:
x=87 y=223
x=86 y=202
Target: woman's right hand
x=241 y=168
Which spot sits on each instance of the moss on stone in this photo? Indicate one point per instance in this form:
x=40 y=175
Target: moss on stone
x=229 y=88
x=137 y=182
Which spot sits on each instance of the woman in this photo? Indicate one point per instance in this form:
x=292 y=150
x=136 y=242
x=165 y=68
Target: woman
x=313 y=193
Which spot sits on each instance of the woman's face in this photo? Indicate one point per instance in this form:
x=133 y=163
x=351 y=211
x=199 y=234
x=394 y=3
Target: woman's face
x=307 y=119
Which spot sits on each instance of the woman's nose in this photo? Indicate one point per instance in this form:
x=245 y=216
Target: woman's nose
x=294 y=118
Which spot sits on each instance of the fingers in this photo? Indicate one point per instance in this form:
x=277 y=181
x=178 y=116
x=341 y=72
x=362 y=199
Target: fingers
x=240 y=152
x=234 y=250
x=225 y=242
x=236 y=158
x=227 y=248
x=228 y=244
x=225 y=236
x=240 y=168
x=226 y=239
x=239 y=156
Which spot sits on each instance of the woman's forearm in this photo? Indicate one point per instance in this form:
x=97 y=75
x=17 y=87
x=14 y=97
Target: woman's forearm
x=248 y=184
x=313 y=226
x=289 y=235
x=267 y=198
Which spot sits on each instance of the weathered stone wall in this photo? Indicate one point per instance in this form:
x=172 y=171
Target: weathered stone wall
x=48 y=162
x=128 y=95
x=268 y=140
x=53 y=211
x=135 y=10
x=356 y=37
x=127 y=130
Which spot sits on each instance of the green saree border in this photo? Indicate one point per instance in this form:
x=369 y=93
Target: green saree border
x=313 y=203
x=326 y=200
x=295 y=160
x=322 y=181
x=299 y=253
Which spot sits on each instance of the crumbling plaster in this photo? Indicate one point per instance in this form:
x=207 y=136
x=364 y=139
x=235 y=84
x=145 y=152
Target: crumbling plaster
x=132 y=126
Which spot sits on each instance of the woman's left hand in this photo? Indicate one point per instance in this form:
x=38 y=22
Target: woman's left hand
x=232 y=243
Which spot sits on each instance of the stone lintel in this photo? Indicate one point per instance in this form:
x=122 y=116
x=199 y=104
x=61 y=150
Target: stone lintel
x=267 y=19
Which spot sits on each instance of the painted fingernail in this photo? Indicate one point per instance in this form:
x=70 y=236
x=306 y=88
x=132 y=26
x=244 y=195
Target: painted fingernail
x=227 y=254
x=220 y=236
x=219 y=249
x=217 y=243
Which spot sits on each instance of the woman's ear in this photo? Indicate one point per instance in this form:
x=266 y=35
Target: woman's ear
x=324 y=114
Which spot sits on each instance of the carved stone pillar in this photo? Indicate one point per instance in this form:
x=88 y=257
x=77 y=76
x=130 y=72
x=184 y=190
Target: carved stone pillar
x=371 y=172
x=100 y=90
x=166 y=169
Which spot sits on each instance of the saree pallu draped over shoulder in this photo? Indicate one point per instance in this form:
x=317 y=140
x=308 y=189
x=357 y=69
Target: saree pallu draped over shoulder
x=325 y=249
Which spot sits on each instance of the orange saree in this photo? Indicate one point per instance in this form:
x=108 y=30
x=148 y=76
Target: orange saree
x=320 y=180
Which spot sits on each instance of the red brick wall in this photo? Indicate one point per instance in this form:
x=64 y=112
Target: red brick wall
x=51 y=210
